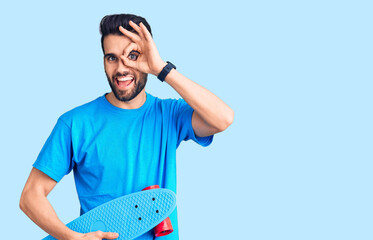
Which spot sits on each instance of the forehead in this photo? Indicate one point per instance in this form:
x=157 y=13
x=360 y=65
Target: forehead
x=115 y=43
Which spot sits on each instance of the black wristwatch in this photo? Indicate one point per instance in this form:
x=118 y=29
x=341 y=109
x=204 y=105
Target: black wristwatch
x=166 y=70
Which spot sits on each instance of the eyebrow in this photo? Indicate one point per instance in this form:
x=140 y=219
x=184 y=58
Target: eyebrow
x=109 y=55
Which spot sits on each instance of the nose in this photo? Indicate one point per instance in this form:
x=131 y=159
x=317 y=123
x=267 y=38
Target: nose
x=121 y=67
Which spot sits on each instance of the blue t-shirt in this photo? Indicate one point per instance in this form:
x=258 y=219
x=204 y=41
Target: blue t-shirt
x=115 y=151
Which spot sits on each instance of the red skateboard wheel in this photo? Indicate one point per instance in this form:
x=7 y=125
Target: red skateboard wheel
x=165 y=227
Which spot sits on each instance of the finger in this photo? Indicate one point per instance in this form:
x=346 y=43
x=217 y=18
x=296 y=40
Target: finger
x=146 y=32
x=131 y=47
x=128 y=62
x=137 y=29
x=109 y=235
x=133 y=36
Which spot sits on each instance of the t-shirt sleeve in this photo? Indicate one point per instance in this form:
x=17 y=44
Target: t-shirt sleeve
x=55 y=158
x=184 y=128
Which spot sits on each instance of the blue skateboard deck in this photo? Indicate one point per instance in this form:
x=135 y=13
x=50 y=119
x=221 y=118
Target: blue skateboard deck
x=131 y=215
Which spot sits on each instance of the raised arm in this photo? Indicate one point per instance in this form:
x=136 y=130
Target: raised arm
x=211 y=115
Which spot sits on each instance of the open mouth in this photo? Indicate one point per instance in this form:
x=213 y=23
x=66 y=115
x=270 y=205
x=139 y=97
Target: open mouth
x=124 y=82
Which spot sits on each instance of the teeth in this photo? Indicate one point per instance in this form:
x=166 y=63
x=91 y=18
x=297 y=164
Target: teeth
x=122 y=79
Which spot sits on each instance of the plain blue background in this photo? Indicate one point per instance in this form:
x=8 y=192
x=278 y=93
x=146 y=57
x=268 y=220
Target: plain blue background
x=295 y=164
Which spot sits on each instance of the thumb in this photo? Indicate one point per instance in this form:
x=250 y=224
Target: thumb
x=109 y=235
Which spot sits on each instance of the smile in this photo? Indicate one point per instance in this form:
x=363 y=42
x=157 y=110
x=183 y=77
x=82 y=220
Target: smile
x=124 y=82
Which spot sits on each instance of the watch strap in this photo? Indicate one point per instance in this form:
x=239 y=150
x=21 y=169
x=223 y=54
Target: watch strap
x=166 y=70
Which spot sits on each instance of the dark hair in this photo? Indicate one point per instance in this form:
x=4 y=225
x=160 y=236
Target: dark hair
x=110 y=25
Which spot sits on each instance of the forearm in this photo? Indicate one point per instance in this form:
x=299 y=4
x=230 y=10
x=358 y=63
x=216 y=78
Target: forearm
x=40 y=211
x=211 y=108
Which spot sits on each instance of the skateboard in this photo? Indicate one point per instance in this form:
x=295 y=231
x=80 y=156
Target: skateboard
x=131 y=215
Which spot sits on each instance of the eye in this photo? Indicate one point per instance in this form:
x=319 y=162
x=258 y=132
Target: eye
x=133 y=55
x=111 y=58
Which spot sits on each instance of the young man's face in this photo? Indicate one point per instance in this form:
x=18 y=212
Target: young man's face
x=125 y=82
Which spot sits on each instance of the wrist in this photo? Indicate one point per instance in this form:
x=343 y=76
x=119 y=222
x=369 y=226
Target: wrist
x=75 y=235
x=166 y=71
x=159 y=68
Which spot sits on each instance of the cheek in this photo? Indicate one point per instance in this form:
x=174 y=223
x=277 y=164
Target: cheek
x=141 y=75
x=108 y=69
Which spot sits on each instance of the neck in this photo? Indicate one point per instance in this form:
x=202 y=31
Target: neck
x=135 y=103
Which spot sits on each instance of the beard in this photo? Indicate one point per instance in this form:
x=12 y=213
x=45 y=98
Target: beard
x=139 y=83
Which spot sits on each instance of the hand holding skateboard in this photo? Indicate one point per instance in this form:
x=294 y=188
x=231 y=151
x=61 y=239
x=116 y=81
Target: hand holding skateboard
x=130 y=216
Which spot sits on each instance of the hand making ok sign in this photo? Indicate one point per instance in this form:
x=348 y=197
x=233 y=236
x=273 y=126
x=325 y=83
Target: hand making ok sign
x=148 y=59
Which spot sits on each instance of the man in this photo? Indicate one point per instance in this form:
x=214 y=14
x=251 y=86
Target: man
x=124 y=140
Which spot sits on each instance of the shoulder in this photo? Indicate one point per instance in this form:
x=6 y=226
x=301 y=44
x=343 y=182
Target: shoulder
x=170 y=104
x=83 y=111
